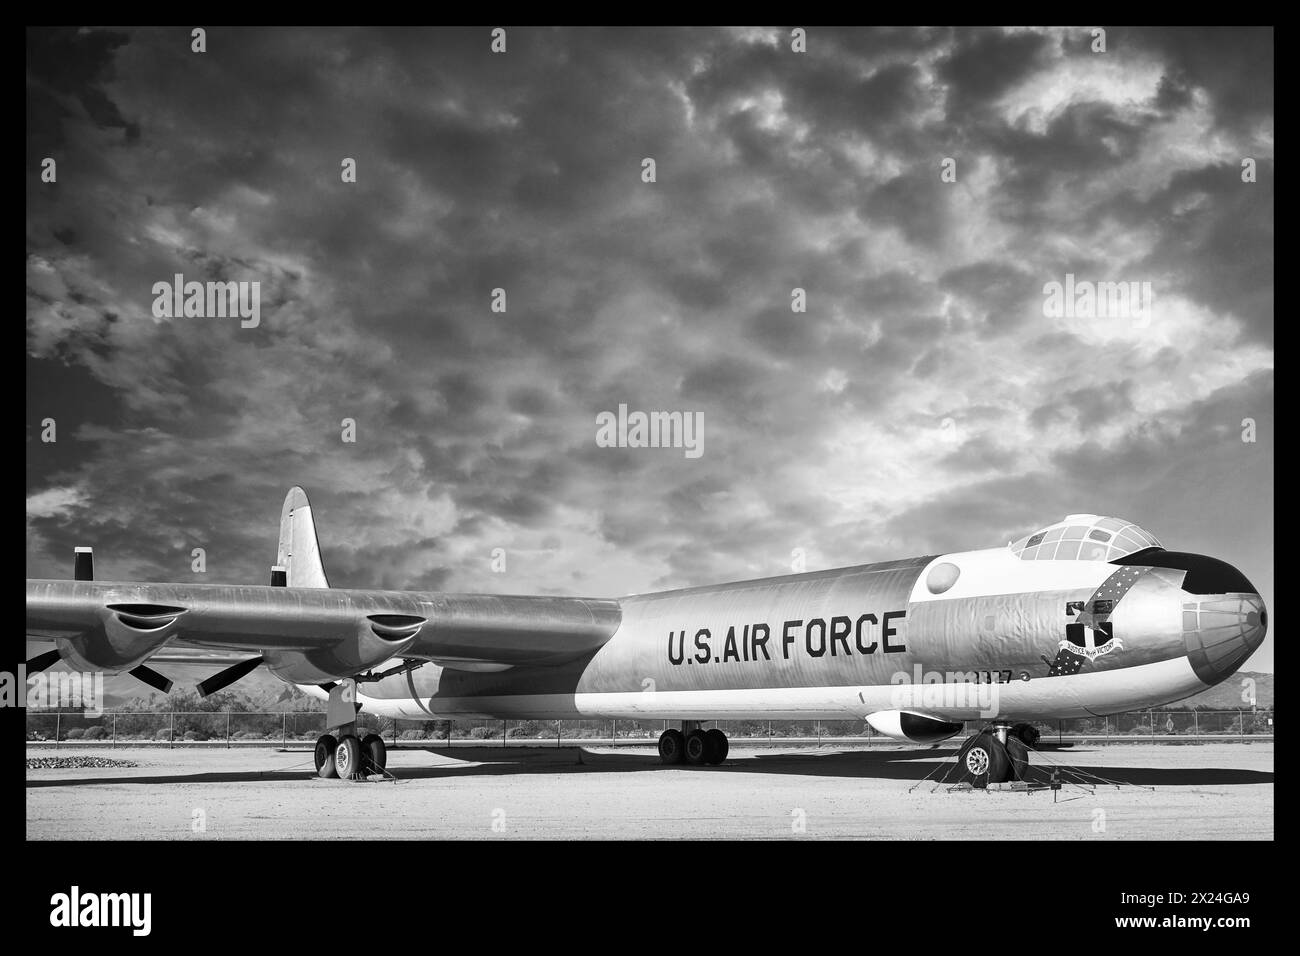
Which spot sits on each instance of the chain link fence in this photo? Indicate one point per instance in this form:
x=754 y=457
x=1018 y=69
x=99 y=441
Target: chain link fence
x=233 y=728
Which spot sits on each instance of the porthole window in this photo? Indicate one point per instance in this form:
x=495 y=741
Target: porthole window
x=942 y=577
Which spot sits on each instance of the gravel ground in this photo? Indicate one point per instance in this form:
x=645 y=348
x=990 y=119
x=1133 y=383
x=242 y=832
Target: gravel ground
x=1198 y=792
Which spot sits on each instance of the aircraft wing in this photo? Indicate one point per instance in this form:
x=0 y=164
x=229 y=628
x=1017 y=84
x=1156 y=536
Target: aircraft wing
x=311 y=634
x=303 y=630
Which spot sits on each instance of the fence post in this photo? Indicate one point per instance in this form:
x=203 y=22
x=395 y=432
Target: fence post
x=505 y=726
x=171 y=731
x=284 y=730
x=58 y=723
x=1151 y=719
x=1196 y=724
x=559 y=731
x=115 y=730
x=394 y=731
x=227 y=730
x=1241 y=726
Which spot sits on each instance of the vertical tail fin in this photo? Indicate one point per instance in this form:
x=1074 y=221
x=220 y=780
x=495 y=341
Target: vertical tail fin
x=299 y=552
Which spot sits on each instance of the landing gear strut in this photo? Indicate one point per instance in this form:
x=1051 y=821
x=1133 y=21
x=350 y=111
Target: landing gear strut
x=693 y=745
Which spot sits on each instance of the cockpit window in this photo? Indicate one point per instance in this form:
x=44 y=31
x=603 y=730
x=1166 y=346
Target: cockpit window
x=1084 y=538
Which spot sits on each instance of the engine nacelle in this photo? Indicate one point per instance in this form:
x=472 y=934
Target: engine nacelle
x=126 y=635
x=378 y=638
x=913 y=727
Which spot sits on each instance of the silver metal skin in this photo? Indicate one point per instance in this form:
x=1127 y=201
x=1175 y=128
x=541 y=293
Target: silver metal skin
x=1005 y=638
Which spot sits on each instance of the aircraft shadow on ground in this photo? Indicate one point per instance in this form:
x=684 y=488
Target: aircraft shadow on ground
x=876 y=764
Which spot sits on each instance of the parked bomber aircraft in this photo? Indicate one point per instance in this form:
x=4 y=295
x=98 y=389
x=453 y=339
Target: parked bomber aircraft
x=1088 y=616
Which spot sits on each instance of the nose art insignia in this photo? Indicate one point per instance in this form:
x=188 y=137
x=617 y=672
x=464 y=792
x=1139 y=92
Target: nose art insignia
x=1091 y=634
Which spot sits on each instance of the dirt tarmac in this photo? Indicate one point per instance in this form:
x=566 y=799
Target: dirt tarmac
x=1218 y=791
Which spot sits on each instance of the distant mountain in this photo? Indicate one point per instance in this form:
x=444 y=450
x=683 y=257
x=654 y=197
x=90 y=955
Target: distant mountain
x=1233 y=693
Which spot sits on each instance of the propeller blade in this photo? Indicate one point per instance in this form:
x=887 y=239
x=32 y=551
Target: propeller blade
x=152 y=678
x=42 y=661
x=227 y=677
x=83 y=564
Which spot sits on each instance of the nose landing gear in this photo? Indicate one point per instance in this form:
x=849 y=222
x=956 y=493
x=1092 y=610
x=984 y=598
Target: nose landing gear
x=996 y=755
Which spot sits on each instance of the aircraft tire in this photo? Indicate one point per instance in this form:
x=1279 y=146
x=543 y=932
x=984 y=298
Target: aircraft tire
x=347 y=758
x=1017 y=759
x=983 y=760
x=672 y=745
x=325 y=747
x=1028 y=733
x=715 y=747
x=374 y=755
x=696 y=748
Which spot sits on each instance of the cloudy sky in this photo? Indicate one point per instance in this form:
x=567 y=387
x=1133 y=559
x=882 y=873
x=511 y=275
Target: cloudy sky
x=924 y=402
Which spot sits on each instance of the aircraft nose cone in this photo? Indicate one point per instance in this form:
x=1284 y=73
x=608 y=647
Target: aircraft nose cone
x=1221 y=631
x=1224 y=618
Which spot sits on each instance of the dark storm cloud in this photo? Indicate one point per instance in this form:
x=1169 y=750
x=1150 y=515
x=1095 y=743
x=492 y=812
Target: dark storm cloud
x=1234 y=65
x=1218 y=232
x=986 y=64
x=922 y=402
x=67 y=69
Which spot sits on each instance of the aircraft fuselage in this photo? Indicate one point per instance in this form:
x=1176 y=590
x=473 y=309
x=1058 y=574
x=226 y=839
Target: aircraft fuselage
x=1004 y=637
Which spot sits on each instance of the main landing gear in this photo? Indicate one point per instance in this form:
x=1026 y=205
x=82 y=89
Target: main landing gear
x=693 y=745
x=349 y=757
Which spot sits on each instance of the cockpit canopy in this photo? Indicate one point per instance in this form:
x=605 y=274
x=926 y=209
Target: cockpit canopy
x=1084 y=538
